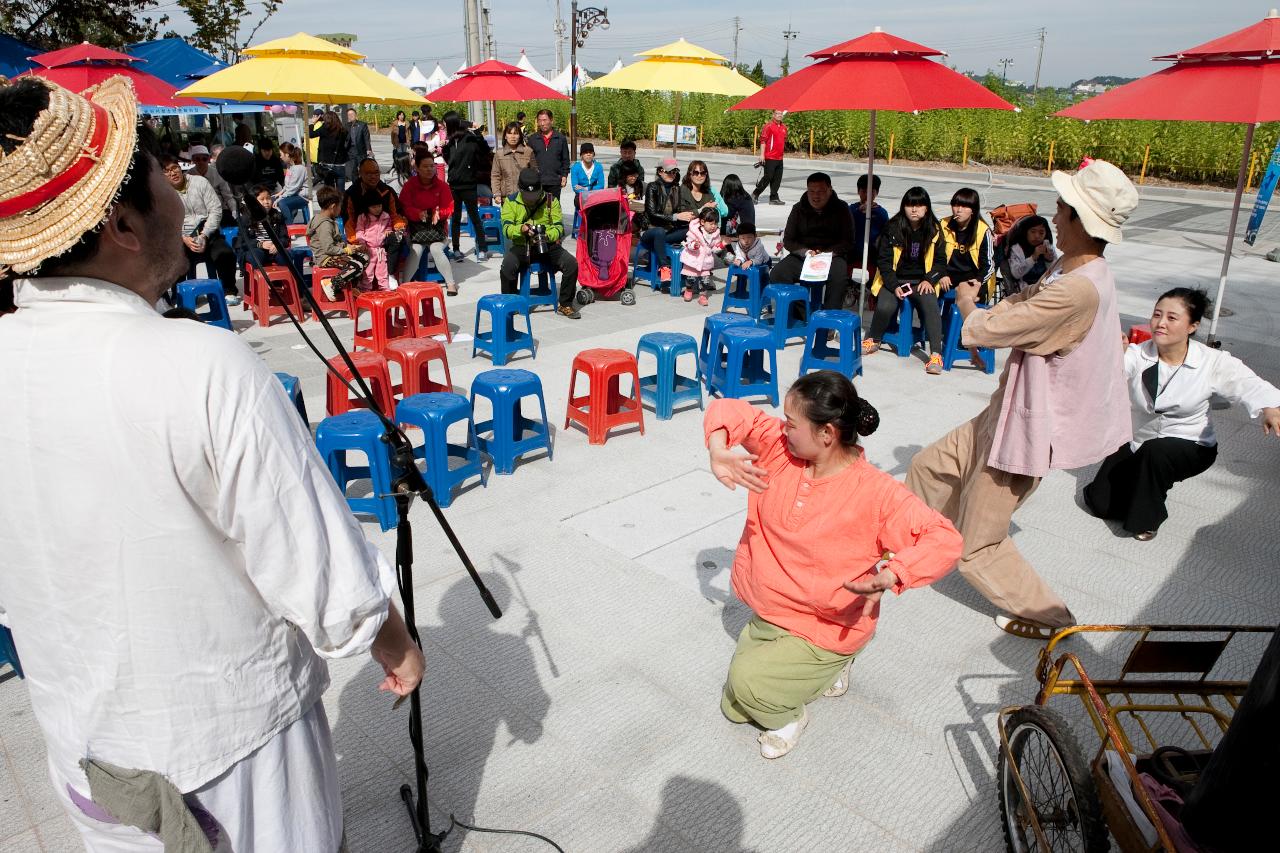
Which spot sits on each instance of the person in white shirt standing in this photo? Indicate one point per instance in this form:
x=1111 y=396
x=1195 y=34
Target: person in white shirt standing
x=1171 y=381
x=178 y=563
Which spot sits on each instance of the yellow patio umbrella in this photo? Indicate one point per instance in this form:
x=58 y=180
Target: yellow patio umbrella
x=679 y=67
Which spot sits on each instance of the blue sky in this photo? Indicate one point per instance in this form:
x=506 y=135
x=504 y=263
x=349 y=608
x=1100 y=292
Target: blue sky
x=1084 y=39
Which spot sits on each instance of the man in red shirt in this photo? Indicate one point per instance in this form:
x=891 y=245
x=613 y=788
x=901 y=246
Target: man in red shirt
x=773 y=139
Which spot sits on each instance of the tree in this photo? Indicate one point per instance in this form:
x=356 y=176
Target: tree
x=51 y=24
x=757 y=73
x=218 y=25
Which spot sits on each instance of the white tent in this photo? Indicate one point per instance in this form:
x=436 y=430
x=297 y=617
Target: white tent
x=617 y=66
x=437 y=79
x=458 y=73
x=394 y=76
x=561 y=81
x=526 y=67
x=416 y=80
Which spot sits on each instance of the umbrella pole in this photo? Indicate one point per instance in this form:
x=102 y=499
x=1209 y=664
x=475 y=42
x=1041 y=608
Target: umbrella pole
x=675 y=133
x=866 y=227
x=1231 y=234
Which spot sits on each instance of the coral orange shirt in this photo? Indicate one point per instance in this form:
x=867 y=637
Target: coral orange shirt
x=805 y=537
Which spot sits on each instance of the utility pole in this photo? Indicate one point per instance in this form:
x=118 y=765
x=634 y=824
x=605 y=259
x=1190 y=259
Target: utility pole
x=475 y=110
x=1039 y=59
x=737 y=28
x=490 y=116
x=559 y=30
x=789 y=35
x=1004 y=69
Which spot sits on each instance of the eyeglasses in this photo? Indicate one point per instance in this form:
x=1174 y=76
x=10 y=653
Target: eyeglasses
x=697 y=171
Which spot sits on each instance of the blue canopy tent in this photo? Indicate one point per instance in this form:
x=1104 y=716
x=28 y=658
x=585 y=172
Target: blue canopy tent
x=179 y=64
x=13 y=55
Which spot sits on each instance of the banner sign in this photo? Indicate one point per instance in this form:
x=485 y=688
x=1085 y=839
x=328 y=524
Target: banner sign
x=1263 y=199
x=688 y=134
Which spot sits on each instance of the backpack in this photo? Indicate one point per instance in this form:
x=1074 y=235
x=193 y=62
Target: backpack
x=1004 y=216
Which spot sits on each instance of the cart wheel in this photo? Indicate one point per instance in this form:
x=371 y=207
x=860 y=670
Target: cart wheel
x=1057 y=777
x=628 y=297
x=586 y=296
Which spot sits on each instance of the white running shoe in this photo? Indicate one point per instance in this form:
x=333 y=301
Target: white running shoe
x=778 y=742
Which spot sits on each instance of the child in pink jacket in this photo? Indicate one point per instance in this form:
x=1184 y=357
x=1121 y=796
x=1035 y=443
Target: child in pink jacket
x=699 y=256
x=372 y=229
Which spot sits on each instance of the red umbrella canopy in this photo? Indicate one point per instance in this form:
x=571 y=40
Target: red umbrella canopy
x=83 y=52
x=151 y=91
x=876 y=71
x=492 y=80
x=1260 y=39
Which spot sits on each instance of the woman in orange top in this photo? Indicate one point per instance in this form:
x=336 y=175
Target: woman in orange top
x=827 y=533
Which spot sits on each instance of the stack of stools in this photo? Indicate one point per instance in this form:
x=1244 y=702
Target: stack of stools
x=390 y=317
x=712 y=326
x=666 y=388
x=846 y=356
x=508 y=434
x=491 y=221
x=604 y=407
x=346 y=303
x=433 y=414
x=210 y=289
x=415 y=355
x=744 y=289
x=360 y=431
x=373 y=367
x=293 y=388
x=742 y=372
x=263 y=300
x=426 y=304
x=546 y=293
x=900 y=335
x=502 y=339
x=787 y=299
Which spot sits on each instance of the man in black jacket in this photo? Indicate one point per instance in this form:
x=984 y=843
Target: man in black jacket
x=819 y=222
x=550 y=154
x=358 y=145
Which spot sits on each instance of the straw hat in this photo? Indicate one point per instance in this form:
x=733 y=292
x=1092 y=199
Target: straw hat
x=62 y=181
x=1103 y=197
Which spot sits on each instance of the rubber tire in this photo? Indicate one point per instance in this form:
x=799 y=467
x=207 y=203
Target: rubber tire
x=1058 y=732
x=586 y=296
x=628 y=297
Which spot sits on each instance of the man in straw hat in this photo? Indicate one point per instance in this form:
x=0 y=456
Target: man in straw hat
x=1061 y=403
x=177 y=560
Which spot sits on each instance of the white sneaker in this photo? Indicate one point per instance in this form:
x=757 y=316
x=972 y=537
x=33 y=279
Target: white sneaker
x=329 y=292
x=392 y=284
x=778 y=742
x=841 y=685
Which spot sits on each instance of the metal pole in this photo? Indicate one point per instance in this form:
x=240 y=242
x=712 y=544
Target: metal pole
x=1039 y=59
x=866 y=227
x=475 y=110
x=573 y=79
x=1231 y=233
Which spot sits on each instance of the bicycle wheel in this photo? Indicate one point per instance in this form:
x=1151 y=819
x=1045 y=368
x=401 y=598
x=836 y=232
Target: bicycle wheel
x=1062 y=794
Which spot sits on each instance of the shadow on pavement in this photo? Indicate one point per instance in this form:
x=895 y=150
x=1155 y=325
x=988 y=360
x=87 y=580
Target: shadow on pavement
x=711 y=816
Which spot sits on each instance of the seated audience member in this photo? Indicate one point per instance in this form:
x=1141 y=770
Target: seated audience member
x=1029 y=248
x=819 y=222
x=368 y=189
x=201 y=238
x=329 y=247
x=668 y=211
x=532 y=207
x=748 y=250
x=427 y=203
x=293 y=198
x=268 y=165
x=967 y=242
x=742 y=210
x=627 y=154
x=260 y=248
x=879 y=216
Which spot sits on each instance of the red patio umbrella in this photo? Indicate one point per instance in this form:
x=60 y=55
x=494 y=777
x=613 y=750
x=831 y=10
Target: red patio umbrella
x=84 y=65
x=1235 y=78
x=876 y=71
x=492 y=80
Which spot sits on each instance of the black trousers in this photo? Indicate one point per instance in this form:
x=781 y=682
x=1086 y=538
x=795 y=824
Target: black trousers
x=926 y=305
x=1131 y=487
x=772 y=178
x=787 y=271
x=219 y=257
x=467 y=196
x=516 y=260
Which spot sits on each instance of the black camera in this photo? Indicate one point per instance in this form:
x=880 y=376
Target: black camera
x=538 y=239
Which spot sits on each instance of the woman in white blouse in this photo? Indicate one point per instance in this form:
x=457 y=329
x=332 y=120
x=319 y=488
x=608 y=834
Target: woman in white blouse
x=1171 y=380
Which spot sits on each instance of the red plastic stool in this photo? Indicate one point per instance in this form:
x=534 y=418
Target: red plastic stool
x=604 y=407
x=299 y=230
x=414 y=355
x=1138 y=334
x=263 y=300
x=389 y=318
x=426 y=301
x=373 y=367
x=348 y=301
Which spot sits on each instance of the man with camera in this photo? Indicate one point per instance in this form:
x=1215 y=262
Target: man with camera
x=533 y=225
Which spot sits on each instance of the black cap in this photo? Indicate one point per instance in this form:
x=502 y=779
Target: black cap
x=529 y=180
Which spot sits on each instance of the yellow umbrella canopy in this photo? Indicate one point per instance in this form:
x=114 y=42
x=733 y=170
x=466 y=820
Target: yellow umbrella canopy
x=303 y=68
x=679 y=67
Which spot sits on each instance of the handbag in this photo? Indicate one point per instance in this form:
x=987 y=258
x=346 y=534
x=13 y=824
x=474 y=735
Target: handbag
x=426 y=233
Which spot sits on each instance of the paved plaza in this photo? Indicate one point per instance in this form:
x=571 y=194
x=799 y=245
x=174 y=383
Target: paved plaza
x=590 y=711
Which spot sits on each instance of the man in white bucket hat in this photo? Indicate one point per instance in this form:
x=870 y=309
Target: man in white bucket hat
x=178 y=562
x=1061 y=402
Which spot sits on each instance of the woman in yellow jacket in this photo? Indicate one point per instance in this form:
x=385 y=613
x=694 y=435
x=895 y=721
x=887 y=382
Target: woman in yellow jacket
x=968 y=245
x=910 y=260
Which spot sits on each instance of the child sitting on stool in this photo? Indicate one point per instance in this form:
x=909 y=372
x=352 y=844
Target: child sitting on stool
x=330 y=248
x=698 y=259
x=373 y=230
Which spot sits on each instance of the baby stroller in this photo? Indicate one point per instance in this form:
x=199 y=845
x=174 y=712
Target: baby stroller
x=1003 y=219
x=604 y=247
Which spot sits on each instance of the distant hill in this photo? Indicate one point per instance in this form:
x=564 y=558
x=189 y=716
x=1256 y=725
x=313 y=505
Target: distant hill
x=1107 y=81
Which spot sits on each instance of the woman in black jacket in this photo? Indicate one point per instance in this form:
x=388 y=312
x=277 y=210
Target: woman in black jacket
x=331 y=152
x=463 y=159
x=669 y=211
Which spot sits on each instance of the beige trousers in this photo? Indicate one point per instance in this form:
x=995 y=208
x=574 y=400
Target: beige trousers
x=952 y=476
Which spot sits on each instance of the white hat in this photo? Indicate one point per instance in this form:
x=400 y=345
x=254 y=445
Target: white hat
x=1103 y=197
x=197 y=149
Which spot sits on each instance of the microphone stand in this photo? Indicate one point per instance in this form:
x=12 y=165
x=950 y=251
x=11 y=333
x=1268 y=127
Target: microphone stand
x=406 y=482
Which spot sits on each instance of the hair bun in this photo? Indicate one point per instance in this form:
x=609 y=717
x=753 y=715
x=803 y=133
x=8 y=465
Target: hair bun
x=868 y=418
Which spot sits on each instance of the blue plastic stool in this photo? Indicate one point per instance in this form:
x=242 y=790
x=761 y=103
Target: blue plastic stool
x=673 y=255
x=953 y=351
x=712 y=326
x=359 y=430
x=8 y=653
x=782 y=325
x=502 y=339
x=546 y=293
x=512 y=434
x=743 y=289
x=846 y=356
x=667 y=387
x=900 y=334
x=491 y=220
x=293 y=388
x=427 y=270
x=743 y=373
x=434 y=413
x=190 y=292
x=647 y=273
